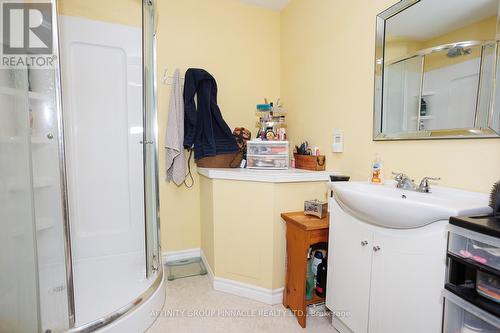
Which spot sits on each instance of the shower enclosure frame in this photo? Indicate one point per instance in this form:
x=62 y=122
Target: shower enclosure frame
x=70 y=294
x=151 y=269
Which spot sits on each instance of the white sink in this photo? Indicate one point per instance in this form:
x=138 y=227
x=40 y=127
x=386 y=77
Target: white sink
x=388 y=206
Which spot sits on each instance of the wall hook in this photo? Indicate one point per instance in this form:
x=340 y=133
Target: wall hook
x=167 y=79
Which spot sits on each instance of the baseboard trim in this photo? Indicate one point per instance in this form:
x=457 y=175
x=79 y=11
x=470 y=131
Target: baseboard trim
x=241 y=289
x=237 y=288
x=210 y=272
x=180 y=255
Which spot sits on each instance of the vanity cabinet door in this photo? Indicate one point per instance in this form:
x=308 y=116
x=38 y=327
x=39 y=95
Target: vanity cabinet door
x=349 y=265
x=408 y=273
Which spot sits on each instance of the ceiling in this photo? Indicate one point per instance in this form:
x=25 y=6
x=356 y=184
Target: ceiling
x=431 y=18
x=272 y=4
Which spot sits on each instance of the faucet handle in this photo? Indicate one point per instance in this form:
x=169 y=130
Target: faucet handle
x=424 y=184
x=400 y=177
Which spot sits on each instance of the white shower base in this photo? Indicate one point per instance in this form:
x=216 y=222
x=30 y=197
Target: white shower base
x=104 y=285
x=140 y=319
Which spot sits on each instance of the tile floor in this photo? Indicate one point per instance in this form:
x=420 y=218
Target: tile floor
x=191 y=302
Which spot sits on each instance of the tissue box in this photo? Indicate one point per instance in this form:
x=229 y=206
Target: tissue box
x=316 y=208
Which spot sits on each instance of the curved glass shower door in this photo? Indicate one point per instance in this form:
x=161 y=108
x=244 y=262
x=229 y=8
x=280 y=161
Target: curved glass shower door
x=19 y=311
x=34 y=288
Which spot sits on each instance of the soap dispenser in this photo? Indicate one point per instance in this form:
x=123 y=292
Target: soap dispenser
x=377 y=173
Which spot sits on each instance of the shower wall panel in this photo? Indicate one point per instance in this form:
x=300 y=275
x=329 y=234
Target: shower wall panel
x=103 y=118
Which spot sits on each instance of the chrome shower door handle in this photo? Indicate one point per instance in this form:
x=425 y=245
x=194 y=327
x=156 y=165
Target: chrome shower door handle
x=364 y=243
x=376 y=248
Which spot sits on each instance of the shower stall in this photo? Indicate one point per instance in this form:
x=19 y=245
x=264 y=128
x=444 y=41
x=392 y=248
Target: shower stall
x=79 y=208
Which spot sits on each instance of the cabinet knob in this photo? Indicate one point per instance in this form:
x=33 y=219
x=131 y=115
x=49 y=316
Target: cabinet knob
x=376 y=248
x=364 y=243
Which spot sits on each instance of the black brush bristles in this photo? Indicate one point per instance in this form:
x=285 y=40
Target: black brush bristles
x=495 y=198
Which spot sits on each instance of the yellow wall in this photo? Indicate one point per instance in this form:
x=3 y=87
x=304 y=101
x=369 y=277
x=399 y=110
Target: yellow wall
x=240 y=45
x=207 y=219
x=243 y=231
x=396 y=49
x=327 y=63
x=482 y=30
x=127 y=12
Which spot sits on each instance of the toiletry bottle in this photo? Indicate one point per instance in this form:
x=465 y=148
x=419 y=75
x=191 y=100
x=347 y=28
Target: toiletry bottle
x=318 y=258
x=377 y=173
x=321 y=279
x=423 y=107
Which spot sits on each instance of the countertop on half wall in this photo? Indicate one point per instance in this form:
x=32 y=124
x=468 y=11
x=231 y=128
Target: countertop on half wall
x=268 y=176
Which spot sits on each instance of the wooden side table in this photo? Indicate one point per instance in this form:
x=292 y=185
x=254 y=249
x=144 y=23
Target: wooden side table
x=302 y=231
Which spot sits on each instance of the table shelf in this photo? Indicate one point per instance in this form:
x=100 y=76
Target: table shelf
x=302 y=231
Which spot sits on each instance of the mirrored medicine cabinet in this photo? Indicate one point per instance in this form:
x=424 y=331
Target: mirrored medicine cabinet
x=437 y=70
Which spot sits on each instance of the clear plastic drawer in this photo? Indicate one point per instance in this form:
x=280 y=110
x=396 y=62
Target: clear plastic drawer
x=488 y=286
x=463 y=317
x=482 y=249
x=267 y=148
x=267 y=162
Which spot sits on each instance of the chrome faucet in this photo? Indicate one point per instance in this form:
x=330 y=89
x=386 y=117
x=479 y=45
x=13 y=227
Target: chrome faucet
x=424 y=186
x=404 y=182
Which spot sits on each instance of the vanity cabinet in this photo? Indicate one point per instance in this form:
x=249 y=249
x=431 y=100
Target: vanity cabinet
x=349 y=270
x=384 y=280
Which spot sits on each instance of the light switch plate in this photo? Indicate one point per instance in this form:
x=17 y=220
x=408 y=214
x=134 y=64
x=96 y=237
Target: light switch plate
x=338 y=141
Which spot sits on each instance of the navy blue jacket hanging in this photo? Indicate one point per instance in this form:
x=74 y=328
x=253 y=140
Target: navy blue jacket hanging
x=204 y=128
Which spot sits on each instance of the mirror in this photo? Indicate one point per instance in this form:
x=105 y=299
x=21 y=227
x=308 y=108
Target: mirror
x=435 y=70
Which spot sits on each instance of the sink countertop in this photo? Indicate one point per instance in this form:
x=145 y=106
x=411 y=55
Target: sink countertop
x=268 y=176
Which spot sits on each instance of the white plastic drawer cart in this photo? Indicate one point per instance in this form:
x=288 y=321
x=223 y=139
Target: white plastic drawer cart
x=471 y=295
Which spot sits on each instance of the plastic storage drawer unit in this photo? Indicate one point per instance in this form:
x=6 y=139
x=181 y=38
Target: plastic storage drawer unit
x=474 y=246
x=463 y=317
x=268 y=154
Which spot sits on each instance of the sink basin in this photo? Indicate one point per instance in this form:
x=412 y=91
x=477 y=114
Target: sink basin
x=387 y=206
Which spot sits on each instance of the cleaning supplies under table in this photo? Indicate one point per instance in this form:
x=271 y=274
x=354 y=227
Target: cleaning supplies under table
x=267 y=154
